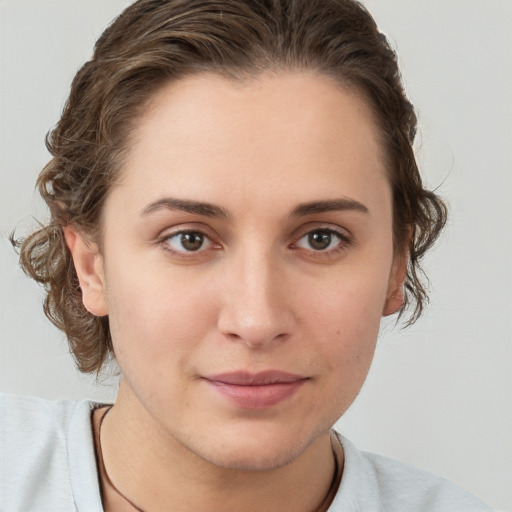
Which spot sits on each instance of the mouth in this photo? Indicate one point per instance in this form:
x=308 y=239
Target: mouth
x=256 y=390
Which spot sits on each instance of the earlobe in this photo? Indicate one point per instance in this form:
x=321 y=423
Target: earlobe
x=394 y=302
x=88 y=264
x=396 y=288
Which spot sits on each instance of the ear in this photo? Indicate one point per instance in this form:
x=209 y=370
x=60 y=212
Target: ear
x=396 y=286
x=89 y=269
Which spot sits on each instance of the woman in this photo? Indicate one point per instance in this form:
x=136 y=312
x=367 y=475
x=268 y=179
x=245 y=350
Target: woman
x=234 y=206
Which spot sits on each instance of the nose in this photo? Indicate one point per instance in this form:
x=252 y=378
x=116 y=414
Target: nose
x=256 y=307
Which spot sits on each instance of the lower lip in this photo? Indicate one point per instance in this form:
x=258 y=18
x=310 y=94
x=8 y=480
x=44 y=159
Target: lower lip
x=257 y=397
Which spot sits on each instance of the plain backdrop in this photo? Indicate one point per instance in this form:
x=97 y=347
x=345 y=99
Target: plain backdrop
x=439 y=395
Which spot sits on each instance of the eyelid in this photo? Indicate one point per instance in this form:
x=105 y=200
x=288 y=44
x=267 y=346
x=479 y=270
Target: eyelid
x=310 y=227
x=188 y=228
x=344 y=235
x=206 y=243
x=345 y=239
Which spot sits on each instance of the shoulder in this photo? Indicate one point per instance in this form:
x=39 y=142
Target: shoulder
x=31 y=412
x=46 y=450
x=372 y=482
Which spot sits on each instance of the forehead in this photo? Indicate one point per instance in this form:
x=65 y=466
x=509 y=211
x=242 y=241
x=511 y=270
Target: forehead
x=207 y=135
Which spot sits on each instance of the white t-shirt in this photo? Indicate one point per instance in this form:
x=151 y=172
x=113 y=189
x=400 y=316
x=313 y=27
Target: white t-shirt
x=47 y=464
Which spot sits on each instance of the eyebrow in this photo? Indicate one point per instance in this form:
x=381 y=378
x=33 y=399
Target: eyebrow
x=184 y=205
x=343 y=204
x=211 y=210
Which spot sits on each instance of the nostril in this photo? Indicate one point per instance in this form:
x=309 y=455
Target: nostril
x=233 y=336
x=263 y=341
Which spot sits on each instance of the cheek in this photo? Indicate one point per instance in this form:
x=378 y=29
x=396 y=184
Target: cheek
x=153 y=314
x=340 y=339
x=345 y=314
x=350 y=335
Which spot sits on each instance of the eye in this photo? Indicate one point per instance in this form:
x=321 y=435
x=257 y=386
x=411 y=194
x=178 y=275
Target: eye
x=188 y=241
x=321 y=240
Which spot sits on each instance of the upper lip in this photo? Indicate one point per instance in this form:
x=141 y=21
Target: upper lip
x=246 y=378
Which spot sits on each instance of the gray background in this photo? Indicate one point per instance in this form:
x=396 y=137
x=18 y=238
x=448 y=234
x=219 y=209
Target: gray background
x=439 y=395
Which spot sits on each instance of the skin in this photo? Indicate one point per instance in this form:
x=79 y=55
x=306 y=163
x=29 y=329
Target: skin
x=257 y=294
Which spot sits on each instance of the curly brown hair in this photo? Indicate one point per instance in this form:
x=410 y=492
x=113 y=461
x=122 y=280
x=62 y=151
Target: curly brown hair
x=155 y=41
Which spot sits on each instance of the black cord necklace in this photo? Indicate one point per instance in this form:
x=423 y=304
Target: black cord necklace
x=104 y=469
x=322 y=508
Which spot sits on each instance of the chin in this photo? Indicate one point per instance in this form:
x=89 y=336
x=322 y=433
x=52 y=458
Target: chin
x=253 y=453
x=245 y=460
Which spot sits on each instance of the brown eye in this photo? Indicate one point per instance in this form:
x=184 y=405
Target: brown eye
x=320 y=240
x=188 y=241
x=192 y=241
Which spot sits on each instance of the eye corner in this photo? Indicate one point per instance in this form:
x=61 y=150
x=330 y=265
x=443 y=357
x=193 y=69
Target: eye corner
x=322 y=241
x=188 y=242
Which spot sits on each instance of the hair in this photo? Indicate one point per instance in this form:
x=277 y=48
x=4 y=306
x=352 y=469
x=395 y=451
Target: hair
x=155 y=41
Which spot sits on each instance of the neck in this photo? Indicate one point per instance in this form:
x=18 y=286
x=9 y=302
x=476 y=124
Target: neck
x=153 y=469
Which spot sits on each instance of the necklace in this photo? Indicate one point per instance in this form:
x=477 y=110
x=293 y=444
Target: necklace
x=104 y=469
x=337 y=452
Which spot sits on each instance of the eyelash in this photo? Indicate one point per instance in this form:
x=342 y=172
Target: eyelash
x=184 y=253
x=344 y=241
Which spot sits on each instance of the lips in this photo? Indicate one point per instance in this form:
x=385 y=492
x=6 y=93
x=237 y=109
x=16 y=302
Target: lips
x=256 y=390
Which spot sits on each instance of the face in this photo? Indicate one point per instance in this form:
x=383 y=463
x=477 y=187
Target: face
x=247 y=261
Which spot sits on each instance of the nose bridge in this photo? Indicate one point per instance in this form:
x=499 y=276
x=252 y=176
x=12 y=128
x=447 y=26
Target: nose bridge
x=255 y=308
